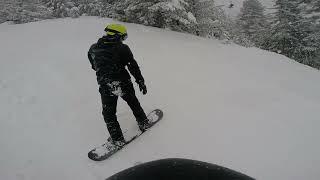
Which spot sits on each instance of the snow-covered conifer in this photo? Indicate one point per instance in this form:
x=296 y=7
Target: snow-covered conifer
x=252 y=20
x=289 y=32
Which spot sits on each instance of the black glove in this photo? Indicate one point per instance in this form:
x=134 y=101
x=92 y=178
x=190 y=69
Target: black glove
x=142 y=86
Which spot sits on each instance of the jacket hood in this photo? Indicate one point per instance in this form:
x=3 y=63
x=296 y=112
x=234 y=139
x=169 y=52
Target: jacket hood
x=108 y=39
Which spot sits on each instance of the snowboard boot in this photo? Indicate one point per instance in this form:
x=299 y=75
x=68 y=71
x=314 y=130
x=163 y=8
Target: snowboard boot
x=118 y=143
x=144 y=126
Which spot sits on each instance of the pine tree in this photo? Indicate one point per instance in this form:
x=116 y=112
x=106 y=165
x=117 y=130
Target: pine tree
x=311 y=10
x=59 y=8
x=114 y=9
x=74 y=8
x=252 y=20
x=138 y=11
x=210 y=19
x=33 y=10
x=175 y=15
x=213 y=23
x=89 y=7
x=289 y=31
x=22 y=11
x=9 y=10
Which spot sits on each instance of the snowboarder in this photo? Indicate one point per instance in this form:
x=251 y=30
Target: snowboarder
x=231 y=5
x=109 y=57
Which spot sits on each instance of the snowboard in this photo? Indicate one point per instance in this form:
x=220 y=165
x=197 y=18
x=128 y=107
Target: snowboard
x=106 y=150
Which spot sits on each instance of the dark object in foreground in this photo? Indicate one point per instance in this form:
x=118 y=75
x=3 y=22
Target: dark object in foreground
x=178 y=169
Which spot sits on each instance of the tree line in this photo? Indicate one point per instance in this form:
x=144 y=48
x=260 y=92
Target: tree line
x=292 y=29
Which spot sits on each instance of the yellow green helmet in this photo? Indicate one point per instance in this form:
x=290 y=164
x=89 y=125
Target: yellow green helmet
x=117 y=29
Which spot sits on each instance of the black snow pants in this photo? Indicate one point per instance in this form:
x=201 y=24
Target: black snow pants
x=110 y=92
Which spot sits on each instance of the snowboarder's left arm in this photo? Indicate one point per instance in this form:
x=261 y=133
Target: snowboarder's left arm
x=134 y=69
x=132 y=64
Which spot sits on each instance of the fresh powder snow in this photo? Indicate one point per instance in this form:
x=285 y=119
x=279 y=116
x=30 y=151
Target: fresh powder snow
x=247 y=109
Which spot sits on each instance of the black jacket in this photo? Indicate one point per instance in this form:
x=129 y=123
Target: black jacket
x=109 y=58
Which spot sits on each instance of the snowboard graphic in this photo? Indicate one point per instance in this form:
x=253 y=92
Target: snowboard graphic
x=106 y=150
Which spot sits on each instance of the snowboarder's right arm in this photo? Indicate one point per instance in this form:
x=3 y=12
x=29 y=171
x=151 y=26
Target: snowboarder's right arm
x=91 y=57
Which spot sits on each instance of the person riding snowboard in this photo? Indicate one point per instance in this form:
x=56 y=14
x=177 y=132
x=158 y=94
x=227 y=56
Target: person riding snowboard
x=109 y=57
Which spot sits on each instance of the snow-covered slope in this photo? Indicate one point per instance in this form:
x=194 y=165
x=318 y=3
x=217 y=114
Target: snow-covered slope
x=247 y=109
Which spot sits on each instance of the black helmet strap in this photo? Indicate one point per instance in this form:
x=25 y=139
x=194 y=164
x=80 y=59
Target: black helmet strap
x=111 y=30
